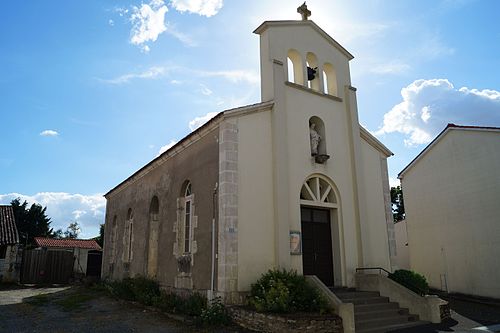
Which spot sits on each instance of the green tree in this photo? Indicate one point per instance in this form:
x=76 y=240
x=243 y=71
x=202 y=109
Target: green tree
x=31 y=222
x=100 y=239
x=72 y=231
x=398 y=205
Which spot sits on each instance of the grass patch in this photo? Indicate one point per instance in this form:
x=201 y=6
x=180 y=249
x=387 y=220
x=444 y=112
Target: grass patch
x=74 y=301
x=38 y=300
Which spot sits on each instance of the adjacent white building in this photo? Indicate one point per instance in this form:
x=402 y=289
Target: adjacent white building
x=452 y=194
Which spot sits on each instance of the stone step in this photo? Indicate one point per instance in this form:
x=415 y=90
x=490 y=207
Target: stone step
x=389 y=328
x=367 y=300
x=380 y=313
x=356 y=294
x=361 y=308
x=384 y=321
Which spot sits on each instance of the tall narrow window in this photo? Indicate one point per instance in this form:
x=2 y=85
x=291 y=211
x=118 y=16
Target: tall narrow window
x=295 y=68
x=187 y=227
x=313 y=75
x=187 y=218
x=128 y=236
x=330 y=80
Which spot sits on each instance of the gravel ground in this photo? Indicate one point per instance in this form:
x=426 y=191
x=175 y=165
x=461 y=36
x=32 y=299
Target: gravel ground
x=42 y=310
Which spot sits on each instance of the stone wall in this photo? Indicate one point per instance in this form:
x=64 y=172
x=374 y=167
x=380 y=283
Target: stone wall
x=291 y=323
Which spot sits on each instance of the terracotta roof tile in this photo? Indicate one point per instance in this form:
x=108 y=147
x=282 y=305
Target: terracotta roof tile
x=8 y=229
x=67 y=243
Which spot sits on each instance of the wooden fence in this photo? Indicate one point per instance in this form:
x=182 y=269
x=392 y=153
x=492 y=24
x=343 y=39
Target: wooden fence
x=47 y=267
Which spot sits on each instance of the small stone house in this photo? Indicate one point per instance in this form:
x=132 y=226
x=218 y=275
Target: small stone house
x=292 y=182
x=10 y=255
x=451 y=194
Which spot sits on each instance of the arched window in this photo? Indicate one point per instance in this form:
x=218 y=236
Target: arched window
x=317 y=136
x=154 y=210
x=313 y=76
x=188 y=212
x=329 y=80
x=295 y=69
x=128 y=236
x=112 y=239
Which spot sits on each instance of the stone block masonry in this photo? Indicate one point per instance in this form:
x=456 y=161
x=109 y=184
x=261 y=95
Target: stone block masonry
x=291 y=323
x=227 y=277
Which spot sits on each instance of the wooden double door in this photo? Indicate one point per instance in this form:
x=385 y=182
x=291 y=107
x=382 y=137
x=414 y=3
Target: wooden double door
x=317 y=257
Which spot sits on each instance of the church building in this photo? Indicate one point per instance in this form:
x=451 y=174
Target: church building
x=292 y=182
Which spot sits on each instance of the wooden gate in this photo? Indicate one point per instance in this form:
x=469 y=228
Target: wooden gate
x=47 y=267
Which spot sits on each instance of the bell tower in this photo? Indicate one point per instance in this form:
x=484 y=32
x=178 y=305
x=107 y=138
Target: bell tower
x=305 y=72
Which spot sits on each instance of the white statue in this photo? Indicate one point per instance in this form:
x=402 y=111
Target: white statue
x=315 y=139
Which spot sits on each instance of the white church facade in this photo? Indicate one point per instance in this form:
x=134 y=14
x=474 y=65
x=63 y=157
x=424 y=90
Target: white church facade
x=292 y=182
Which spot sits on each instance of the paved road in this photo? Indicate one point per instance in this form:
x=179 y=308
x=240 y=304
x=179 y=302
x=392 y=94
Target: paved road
x=467 y=317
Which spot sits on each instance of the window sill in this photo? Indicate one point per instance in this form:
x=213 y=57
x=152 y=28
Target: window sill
x=301 y=87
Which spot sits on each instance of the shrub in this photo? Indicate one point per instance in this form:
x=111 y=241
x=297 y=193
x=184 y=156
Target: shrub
x=411 y=280
x=194 y=305
x=140 y=289
x=285 y=291
x=215 y=314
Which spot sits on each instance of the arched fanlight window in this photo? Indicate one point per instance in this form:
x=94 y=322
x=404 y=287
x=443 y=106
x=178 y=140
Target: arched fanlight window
x=294 y=66
x=318 y=191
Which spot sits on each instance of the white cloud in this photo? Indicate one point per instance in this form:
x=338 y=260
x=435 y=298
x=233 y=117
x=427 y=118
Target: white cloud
x=111 y=22
x=166 y=147
x=148 y=22
x=202 y=7
x=199 y=121
x=64 y=208
x=151 y=73
x=234 y=75
x=181 y=36
x=49 y=133
x=391 y=68
x=429 y=105
x=205 y=90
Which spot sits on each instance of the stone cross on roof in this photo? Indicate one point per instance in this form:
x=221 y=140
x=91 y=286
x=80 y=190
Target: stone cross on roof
x=302 y=10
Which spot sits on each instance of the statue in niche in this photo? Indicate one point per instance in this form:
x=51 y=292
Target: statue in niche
x=315 y=139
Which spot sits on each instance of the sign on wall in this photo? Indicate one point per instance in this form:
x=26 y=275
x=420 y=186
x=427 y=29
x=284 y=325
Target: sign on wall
x=295 y=242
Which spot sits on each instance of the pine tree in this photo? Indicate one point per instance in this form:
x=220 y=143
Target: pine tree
x=31 y=222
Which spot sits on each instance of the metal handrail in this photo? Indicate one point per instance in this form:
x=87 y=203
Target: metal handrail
x=421 y=292
x=380 y=269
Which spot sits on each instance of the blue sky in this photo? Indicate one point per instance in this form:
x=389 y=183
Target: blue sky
x=92 y=90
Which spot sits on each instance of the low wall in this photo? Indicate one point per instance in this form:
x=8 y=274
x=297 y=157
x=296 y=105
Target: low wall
x=430 y=307
x=292 y=323
x=343 y=310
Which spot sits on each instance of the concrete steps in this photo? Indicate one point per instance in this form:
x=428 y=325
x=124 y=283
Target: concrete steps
x=374 y=313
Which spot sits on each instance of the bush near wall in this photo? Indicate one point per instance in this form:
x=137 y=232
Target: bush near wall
x=282 y=291
x=411 y=280
x=147 y=291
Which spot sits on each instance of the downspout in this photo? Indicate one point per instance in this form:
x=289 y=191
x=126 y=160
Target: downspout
x=214 y=255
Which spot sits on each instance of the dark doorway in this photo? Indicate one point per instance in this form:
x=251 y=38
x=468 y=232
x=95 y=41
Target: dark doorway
x=94 y=261
x=317 y=244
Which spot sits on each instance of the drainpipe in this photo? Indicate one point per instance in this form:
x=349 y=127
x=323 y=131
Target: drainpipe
x=214 y=255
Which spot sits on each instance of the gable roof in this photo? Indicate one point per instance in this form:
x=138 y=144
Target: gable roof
x=184 y=142
x=67 y=243
x=266 y=24
x=447 y=129
x=8 y=229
